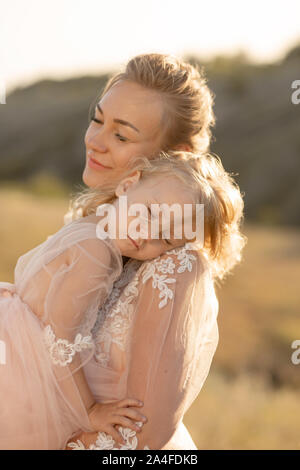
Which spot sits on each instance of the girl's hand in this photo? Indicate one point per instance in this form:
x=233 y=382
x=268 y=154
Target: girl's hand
x=103 y=417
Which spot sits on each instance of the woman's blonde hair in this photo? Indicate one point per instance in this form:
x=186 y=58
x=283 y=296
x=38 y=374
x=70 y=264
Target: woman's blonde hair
x=187 y=112
x=206 y=179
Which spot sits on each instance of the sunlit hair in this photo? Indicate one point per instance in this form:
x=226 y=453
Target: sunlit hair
x=207 y=182
x=187 y=111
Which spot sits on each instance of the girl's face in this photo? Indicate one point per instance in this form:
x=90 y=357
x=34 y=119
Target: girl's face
x=127 y=123
x=151 y=191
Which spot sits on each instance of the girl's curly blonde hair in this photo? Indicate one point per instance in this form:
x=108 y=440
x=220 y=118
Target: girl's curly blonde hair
x=206 y=179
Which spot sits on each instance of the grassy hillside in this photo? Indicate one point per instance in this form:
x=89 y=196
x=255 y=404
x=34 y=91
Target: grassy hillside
x=244 y=413
x=257 y=134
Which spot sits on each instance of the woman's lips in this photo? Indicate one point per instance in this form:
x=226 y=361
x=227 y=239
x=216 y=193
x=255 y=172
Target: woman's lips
x=94 y=164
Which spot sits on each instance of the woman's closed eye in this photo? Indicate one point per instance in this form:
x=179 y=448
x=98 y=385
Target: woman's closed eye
x=96 y=120
x=120 y=137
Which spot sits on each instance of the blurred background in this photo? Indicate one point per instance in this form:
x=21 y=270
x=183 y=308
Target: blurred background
x=54 y=60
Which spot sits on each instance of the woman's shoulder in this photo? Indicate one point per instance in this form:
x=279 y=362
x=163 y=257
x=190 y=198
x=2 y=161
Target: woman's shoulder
x=159 y=281
x=175 y=269
x=179 y=262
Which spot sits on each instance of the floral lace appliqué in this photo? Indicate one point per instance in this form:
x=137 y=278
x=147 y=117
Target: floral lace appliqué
x=60 y=350
x=167 y=266
x=115 y=317
x=106 y=442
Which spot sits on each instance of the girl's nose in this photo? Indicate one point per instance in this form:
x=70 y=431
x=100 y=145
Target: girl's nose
x=145 y=229
x=144 y=232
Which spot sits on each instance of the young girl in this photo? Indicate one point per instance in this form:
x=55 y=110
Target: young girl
x=47 y=315
x=156 y=335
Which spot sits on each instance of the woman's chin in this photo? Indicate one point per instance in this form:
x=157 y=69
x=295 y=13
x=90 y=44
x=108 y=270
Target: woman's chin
x=86 y=179
x=90 y=179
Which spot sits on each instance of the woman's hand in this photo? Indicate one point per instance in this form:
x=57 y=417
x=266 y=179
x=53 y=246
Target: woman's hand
x=104 y=417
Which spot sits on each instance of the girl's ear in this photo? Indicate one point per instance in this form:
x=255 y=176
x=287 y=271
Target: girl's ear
x=183 y=147
x=127 y=182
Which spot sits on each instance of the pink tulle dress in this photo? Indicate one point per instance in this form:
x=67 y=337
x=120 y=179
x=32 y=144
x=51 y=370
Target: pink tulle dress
x=46 y=318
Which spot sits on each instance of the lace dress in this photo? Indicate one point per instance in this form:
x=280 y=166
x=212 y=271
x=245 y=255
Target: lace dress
x=155 y=338
x=46 y=318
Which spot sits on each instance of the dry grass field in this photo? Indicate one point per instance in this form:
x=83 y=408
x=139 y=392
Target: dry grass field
x=251 y=397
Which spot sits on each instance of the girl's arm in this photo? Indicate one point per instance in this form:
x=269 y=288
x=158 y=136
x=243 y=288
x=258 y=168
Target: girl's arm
x=67 y=294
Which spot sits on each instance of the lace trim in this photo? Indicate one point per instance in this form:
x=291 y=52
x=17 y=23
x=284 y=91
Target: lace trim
x=60 y=350
x=115 y=317
x=167 y=266
x=128 y=272
x=105 y=441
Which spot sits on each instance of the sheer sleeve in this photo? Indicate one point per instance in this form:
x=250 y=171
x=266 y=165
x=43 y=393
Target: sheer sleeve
x=173 y=340
x=161 y=337
x=76 y=273
x=77 y=289
x=60 y=285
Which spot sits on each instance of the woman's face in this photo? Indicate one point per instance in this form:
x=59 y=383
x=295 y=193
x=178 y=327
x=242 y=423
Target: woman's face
x=127 y=123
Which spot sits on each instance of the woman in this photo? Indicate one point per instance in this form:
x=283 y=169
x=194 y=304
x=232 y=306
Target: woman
x=149 y=335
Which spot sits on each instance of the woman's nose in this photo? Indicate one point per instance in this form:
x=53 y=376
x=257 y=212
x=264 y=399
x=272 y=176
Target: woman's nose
x=97 y=141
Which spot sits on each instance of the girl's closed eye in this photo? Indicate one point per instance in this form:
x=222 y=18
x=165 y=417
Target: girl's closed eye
x=165 y=239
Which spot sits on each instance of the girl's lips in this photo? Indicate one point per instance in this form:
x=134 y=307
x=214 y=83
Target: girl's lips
x=133 y=242
x=94 y=164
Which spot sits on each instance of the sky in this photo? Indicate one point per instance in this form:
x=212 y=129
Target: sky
x=65 y=38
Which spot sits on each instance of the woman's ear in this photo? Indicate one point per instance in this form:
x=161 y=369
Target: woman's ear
x=127 y=182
